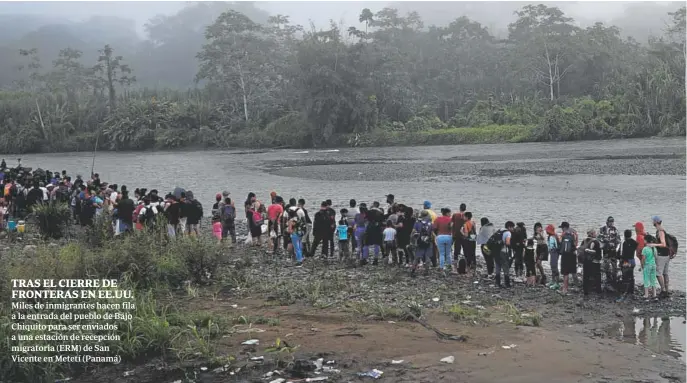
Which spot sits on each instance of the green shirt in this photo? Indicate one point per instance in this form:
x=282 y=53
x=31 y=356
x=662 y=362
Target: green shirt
x=649 y=254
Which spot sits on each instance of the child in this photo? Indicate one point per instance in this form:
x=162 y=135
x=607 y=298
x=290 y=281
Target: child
x=627 y=265
x=530 y=262
x=390 y=242
x=342 y=232
x=649 y=266
x=217 y=227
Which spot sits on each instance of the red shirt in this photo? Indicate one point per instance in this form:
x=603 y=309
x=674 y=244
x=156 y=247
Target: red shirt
x=274 y=211
x=443 y=225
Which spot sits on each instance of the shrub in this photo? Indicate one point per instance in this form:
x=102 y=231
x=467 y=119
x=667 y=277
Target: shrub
x=52 y=219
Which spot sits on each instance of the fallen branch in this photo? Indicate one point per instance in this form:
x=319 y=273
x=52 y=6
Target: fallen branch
x=440 y=334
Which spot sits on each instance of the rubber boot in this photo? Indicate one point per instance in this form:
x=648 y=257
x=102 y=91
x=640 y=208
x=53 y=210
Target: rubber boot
x=507 y=278
x=497 y=279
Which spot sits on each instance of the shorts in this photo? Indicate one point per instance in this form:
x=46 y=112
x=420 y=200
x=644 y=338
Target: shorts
x=390 y=245
x=662 y=264
x=568 y=264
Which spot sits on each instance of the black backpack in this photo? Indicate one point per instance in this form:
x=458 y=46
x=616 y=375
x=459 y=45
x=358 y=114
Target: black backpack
x=495 y=242
x=228 y=214
x=425 y=238
x=567 y=243
x=671 y=244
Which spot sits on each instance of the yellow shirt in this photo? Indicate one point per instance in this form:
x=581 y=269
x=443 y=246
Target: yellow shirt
x=432 y=214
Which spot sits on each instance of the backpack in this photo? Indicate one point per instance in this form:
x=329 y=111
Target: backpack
x=671 y=244
x=425 y=239
x=257 y=218
x=495 y=242
x=567 y=243
x=228 y=214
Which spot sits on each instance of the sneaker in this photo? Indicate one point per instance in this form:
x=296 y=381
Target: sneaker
x=299 y=264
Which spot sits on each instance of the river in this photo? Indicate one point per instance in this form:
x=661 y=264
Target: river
x=579 y=182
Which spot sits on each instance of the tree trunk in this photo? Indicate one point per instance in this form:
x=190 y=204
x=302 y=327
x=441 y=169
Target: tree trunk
x=242 y=83
x=548 y=64
x=110 y=86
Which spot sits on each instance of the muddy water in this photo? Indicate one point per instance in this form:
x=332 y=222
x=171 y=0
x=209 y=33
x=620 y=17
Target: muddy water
x=580 y=182
x=660 y=335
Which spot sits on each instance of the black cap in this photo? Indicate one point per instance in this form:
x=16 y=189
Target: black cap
x=324 y=203
x=564 y=225
x=610 y=219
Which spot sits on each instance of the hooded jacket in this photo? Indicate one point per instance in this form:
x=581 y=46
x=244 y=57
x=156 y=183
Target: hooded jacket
x=639 y=230
x=485 y=232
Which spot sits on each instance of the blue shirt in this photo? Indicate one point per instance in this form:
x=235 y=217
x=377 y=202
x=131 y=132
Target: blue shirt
x=342 y=231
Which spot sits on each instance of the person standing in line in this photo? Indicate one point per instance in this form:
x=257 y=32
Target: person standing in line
x=486 y=230
x=568 y=252
x=553 y=244
x=649 y=267
x=457 y=220
x=663 y=255
x=444 y=241
x=469 y=246
x=542 y=252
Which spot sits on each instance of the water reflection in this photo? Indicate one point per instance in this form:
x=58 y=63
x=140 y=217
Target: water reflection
x=660 y=335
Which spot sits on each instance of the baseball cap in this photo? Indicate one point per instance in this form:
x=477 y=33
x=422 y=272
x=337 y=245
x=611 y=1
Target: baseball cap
x=564 y=225
x=225 y=194
x=656 y=219
x=427 y=205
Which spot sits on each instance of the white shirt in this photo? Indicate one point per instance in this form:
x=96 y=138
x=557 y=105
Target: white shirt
x=46 y=195
x=389 y=234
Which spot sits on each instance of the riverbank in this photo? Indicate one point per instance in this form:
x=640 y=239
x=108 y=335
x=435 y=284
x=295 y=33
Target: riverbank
x=362 y=318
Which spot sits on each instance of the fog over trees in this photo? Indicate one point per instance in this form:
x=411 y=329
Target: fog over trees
x=240 y=74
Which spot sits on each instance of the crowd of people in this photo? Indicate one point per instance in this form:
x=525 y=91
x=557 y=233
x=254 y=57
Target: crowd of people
x=419 y=239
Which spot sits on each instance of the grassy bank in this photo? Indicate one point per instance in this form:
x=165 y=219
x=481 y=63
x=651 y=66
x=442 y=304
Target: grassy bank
x=492 y=134
x=154 y=268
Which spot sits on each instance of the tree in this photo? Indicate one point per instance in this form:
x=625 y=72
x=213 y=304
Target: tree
x=111 y=71
x=544 y=41
x=236 y=59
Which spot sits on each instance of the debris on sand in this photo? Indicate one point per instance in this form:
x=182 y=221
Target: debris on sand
x=397 y=361
x=251 y=342
x=509 y=347
x=374 y=374
x=448 y=359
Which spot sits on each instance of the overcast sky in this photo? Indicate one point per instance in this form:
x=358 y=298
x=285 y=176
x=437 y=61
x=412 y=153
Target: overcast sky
x=300 y=12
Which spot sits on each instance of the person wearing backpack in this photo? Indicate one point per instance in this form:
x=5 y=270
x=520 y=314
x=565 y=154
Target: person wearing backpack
x=568 y=253
x=254 y=218
x=486 y=230
x=195 y=214
x=296 y=228
x=518 y=242
x=591 y=261
x=500 y=247
x=627 y=264
x=609 y=237
x=666 y=249
x=227 y=217
x=423 y=236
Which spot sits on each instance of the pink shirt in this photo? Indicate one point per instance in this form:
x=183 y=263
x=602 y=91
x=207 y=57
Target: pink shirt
x=274 y=211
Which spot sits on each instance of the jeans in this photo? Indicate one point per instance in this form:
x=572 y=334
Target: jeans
x=297 y=247
x=359 y=234
x=469 y=250
x=444 y=243
x=229 y=229
x=366 y=251
x=518 y=259
x=488 y=259
x=591 y=277
x=553 y=262
x=502 y=261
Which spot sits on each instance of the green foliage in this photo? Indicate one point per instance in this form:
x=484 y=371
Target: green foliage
x=265 y=82
x=52 y=219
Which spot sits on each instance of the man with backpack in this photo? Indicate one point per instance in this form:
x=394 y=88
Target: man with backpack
x=568 y=253
x=227 y=216
x=609 y=237
x=666 y=246
x=499 y=245
x=195 y=214
x=423 y=236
